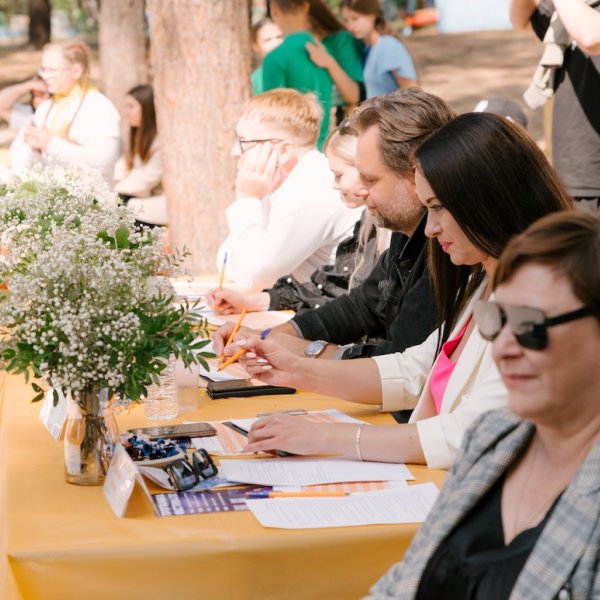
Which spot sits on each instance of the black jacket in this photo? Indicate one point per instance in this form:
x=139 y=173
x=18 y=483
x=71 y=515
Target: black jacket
x=327 y=282
x=396 y=302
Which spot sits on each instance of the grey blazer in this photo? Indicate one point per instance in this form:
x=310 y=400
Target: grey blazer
x=565 y=560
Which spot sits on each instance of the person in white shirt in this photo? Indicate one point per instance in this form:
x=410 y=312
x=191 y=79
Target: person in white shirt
x=286 y=217
x=77 y=124
x=138 y=173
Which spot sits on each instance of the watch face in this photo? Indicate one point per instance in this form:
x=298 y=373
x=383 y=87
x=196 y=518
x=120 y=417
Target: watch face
x=315 y=348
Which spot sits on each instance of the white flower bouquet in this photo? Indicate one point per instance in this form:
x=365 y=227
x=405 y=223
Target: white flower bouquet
x=85 y=303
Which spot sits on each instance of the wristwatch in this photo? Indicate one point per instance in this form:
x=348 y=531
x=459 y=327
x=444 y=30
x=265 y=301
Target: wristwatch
x=315 y=349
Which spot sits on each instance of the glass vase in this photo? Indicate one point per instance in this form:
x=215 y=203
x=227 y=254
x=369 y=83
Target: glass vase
x=90 y=437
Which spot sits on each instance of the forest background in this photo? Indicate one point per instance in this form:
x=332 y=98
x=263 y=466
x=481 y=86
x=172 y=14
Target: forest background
x=197 y=55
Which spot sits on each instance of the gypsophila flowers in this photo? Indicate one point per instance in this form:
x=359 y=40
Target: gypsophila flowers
x=87 y=304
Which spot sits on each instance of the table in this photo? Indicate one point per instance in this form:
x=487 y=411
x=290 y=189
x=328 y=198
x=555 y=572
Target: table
x=62 y=542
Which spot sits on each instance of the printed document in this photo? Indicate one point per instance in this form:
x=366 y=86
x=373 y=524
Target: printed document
x=408 y=505
x=295 y=471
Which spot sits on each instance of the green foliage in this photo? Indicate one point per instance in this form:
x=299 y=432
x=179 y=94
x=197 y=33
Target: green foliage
x=87 y=304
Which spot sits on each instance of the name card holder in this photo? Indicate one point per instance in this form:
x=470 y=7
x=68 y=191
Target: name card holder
x=120 y=481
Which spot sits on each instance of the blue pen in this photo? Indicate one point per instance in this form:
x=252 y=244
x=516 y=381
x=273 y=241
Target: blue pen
x=265 y=333
x=302 y=494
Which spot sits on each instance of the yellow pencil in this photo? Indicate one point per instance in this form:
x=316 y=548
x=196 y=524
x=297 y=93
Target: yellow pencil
x=235 y=329
x=236 y=356
x=232 y=359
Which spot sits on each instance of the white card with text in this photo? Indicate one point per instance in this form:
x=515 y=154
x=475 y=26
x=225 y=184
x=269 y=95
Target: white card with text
x=54 y=417
x=120 y=481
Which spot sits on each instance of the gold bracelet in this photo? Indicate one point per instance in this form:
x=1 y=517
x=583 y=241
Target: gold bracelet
x=358 y=432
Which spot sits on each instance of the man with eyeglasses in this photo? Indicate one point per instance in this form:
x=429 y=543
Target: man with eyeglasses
x=286 y=217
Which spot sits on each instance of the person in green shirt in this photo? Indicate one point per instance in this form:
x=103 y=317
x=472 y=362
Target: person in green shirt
x=307 y=60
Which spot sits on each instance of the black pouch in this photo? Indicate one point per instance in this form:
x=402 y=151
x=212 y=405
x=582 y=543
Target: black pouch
x=244 y=388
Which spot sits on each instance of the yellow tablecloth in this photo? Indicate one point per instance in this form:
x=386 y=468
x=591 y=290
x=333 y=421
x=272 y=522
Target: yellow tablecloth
x=62 y=542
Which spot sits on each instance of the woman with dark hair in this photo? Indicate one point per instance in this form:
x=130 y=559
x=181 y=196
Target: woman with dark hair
x=482 y=181
x=138 y=173
x=519 y=515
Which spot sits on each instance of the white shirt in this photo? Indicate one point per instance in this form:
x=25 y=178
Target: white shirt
x=143 y=179
x=95 y=135
x=294 y=230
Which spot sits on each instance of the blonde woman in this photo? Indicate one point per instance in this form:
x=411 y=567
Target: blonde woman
x=77 y=123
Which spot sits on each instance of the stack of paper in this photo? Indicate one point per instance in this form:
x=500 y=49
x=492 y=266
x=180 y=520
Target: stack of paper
x=409 y=505
x=397 y=504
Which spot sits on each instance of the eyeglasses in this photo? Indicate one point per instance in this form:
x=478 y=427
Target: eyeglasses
x=245 y=145
x=528 y=325
x=44 y=71
x=184 y=475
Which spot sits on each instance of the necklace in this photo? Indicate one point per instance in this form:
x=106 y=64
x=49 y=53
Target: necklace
x=530 y=518
x=516 y=526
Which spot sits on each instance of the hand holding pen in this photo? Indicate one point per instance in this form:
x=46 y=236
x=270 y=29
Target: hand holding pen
x=235 y=329
x=241 y=351
x=270 y=361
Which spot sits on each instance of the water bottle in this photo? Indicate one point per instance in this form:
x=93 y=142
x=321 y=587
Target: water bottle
x=162 y=403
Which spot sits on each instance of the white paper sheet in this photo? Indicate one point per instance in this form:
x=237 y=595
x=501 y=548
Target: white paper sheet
x=227 y=374
x=410 y=505
x=193 y=287
x=309 y=471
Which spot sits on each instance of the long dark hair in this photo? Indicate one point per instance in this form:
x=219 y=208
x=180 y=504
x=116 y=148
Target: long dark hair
x=141 y=138
x=495 y=181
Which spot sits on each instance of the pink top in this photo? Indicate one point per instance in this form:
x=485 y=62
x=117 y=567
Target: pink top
x=443 y=368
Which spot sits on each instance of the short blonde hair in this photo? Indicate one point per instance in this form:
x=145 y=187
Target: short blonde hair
x=298 y=114
x=75 y=52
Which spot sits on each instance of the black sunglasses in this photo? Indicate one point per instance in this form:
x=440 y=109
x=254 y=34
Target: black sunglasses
x=528 y=325
x=184 y=474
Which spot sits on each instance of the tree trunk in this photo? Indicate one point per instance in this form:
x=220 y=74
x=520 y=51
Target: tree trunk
x=123 y=54
x=201 y=64
x=39 y=22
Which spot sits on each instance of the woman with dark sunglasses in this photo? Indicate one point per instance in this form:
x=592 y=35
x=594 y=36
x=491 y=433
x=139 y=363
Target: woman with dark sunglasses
x=519 y=515
x=482 y=180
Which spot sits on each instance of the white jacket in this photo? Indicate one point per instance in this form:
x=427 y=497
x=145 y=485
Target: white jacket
x=95 y=136
x=474 y=387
